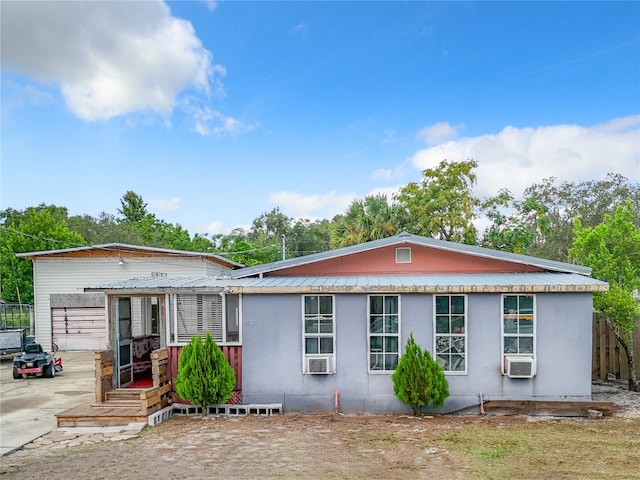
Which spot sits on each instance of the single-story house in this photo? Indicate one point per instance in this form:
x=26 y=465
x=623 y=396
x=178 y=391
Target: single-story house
x=304 y=331
x=76 y=320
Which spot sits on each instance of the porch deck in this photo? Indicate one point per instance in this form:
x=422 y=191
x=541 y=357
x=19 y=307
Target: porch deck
x=100 y=415
x=121 y=406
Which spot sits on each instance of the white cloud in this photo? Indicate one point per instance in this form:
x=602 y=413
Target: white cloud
x=108 y=58
x=517 y=158
x=388 y=192
x=382 y=174
x=208 y=121
x=300 y=27
x=391 y=174
x=389 y=135
x=213 y=228
x=219 y=228
x=322 y=206
x=16 y=95
x=314 y=206
x=438 y=133
x=165 y=205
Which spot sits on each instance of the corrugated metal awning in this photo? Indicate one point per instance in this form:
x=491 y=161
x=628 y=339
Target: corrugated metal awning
x=446 y=283
x=466 y=283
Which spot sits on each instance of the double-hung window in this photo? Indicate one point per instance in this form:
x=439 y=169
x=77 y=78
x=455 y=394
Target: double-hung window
x=518 y=328
x=384 y=332
x=450 y=336
x=318 y=333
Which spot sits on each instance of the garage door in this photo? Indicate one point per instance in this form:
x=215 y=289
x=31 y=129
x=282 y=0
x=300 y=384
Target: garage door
x=82 y=328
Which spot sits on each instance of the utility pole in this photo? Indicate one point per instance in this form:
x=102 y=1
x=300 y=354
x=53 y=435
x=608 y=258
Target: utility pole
x=284 y=242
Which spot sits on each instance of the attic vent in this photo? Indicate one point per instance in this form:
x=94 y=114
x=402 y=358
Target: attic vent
x=158 y=274
x=403 y=255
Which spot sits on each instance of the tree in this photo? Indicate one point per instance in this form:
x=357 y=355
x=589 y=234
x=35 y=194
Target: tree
x=269 y=226
x=200 y=243
x=104 y=229
x=306 y=237
x=442 y=205
x=588 y=201
x=204 y=374
x=612 y=250
x=371 y=218
x=158 y=233
x=35 y=229
x=515 y=226
x=418 y=380
x=267 y=231
x=132 y=207
x=237 y=247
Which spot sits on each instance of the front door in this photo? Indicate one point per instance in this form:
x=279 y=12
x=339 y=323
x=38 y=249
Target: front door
x=124 y=357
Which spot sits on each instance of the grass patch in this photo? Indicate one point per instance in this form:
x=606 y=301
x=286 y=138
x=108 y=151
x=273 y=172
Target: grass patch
x=552 y=449
x=383 y=439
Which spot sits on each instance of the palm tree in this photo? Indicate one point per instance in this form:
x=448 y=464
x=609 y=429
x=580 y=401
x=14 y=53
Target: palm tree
x=371 y=218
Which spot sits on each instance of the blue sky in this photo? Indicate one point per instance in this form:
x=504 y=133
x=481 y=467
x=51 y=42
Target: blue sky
x=215 y=112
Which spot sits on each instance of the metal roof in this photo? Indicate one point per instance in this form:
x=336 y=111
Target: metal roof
x=163 y=283
x=449 y=283
x=406 y=238
x=126 y=248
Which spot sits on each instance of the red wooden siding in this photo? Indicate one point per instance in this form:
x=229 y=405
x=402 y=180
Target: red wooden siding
x=233 y=354
x=423 y=260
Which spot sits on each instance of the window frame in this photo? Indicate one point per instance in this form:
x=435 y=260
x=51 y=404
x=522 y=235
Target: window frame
x=518 y=335
x=400 y=251
x=383 y=334
x=318 y=335
x=450 y=334
x=182 y=328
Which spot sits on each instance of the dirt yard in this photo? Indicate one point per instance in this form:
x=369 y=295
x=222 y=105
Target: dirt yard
x=328 y=446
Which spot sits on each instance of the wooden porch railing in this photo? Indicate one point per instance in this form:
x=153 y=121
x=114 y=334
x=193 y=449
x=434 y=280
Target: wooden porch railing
x=104 y=374
x=151 y=399
x=158 y=397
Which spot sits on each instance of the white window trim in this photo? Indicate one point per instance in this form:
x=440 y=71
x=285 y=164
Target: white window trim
x=169 y=321
x=305 y=356
x=466 y=334
x=224 y=319
x=399 y=334
x=502 y=334
x=239 y=319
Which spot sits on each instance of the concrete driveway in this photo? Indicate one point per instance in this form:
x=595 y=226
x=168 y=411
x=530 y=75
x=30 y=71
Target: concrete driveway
x=28 y=406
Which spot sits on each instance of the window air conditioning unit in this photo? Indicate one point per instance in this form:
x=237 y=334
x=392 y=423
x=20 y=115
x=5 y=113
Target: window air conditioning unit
x=319 y=365
x=520 y=367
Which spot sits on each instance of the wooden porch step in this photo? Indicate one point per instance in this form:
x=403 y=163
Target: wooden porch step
x=118 y=404
x=89 y=415
x=124 y=393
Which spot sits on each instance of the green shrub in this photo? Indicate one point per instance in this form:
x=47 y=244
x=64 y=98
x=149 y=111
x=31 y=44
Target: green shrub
x=418 y=380
x=204 y=374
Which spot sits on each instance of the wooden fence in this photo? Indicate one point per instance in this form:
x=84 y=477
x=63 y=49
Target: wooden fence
x=608 y=356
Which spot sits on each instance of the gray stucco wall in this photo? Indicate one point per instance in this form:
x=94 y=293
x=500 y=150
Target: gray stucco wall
x=273 y=361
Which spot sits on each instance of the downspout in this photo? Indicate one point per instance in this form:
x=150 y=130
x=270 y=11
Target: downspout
x=336 y=395
x=481 y=404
